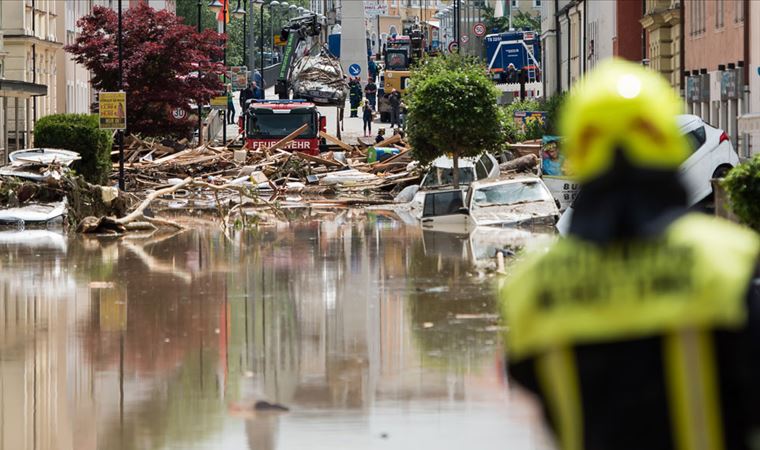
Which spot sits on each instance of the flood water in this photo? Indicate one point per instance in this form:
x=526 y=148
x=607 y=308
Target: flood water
x=373 y=334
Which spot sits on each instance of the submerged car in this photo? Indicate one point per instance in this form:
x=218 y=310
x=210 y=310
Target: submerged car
x=515 y=202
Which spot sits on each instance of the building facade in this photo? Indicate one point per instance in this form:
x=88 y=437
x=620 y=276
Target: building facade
x=714 y=57
x=749 y=121
x=30 y=34
x=662 y=25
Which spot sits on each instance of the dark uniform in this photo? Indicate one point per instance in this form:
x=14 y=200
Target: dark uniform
x=641 y=329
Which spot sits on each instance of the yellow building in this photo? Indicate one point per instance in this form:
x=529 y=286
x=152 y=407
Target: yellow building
x=662 y=25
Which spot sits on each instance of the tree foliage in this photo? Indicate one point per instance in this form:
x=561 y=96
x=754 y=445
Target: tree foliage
x=520 y=21
x=161 y=59
x=452 y=110
x=188 y=10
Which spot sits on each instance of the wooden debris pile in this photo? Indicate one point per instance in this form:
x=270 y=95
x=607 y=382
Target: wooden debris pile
x=343 y=170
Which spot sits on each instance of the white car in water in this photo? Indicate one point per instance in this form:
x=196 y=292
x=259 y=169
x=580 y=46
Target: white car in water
x=516 y=202
x=712 y=157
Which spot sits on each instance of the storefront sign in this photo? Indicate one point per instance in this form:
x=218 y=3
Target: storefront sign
x=373 y=8
x=112 y=107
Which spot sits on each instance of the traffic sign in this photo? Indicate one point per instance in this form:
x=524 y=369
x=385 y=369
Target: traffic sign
x=179 y=113
x=354 y=70
x=479 y=29
x=465 y=39
x=454 y=46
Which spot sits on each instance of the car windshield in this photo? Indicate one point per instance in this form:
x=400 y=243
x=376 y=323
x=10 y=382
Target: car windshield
x=509 y=194
x=279 y=125
x=438 y=176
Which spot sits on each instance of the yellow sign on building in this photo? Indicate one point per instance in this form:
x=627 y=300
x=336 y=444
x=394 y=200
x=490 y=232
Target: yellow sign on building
x=113 y=110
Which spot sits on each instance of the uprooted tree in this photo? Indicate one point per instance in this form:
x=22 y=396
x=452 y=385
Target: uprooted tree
x=452 y=110
x=166 y=65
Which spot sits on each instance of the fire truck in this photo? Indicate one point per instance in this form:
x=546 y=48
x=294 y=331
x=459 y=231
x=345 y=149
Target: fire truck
x=268 y=121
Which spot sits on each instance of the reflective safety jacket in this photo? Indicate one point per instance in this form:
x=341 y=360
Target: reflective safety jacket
x=648 y=344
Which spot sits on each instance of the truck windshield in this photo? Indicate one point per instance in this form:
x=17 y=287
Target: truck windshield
x=280 y=125
x=396 y=60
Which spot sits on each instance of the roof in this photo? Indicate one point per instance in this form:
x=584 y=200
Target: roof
x=517 y=179
x=284 y=105
x=687 y=121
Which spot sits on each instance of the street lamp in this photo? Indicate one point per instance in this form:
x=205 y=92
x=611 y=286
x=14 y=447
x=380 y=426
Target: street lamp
x=273 y=6
x=261 y=41
x=215 y=6
x=239 y=12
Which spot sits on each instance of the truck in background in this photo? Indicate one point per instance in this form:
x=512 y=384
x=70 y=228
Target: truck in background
x=268 y=121
x=522 y=51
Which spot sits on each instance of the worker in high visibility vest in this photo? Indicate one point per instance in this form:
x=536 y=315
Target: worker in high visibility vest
x=641 y=329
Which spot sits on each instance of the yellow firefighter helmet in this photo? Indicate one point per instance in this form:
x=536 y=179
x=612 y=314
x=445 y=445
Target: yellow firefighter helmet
x=621 y=105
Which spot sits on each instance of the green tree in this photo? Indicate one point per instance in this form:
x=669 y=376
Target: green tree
x=526 y=21
x=188 y=10
x=452 y=110
x=520 y=21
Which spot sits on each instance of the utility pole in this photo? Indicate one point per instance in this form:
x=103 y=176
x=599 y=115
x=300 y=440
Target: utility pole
x=200 y=119
x=120 y=133
x=261 y=48
x=224 y=31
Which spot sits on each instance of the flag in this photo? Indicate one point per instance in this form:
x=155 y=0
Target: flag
x=225 y=8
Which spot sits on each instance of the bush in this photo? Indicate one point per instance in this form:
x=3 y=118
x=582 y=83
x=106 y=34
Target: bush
x=79 y=133
x=743 y=187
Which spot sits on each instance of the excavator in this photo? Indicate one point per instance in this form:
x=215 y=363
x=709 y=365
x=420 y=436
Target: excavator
x=309 y=71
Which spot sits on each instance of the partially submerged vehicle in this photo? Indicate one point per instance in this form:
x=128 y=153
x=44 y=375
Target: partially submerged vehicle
x=523 y=201
x=440 y=174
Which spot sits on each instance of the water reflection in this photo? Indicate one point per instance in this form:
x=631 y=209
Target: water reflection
x=370 y=334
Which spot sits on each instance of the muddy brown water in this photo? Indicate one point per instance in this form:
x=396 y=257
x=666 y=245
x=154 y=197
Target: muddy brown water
x=371 y=335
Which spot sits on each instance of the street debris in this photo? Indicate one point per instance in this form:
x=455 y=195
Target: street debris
x=227 y=180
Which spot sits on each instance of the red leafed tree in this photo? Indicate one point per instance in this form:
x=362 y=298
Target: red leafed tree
x=162 y=58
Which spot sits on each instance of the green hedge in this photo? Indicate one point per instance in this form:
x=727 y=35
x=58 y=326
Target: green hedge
x=743 y=187
x=79 y=133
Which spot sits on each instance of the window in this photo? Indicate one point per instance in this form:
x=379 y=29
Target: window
x=515 y=3
x=738 y=12
x=442 y=203
x=697 y=13
x=536 y=3
x=719 y=8
x=696 y=138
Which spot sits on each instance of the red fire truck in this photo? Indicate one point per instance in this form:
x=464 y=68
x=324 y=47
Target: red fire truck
x=268 y=121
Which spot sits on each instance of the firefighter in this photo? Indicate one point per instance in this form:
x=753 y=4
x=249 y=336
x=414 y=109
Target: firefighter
x=640 y=330
x=355 y=96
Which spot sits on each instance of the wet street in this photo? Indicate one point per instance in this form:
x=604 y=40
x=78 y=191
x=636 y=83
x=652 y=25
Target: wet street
x=372 y=333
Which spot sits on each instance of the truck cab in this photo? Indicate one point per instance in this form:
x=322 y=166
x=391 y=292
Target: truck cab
x=268 y=121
